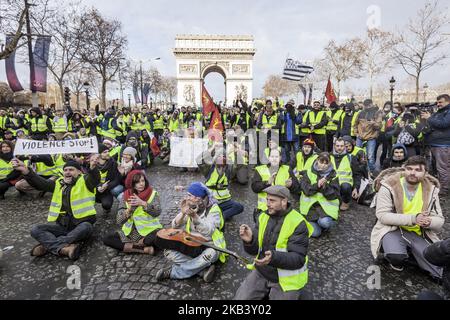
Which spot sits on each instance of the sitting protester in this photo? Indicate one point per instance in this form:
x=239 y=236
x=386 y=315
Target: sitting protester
x=200 y=215
x=138 y=216
x=8 y=176
x=398 y=158
x=320 y=192
x=409 y=215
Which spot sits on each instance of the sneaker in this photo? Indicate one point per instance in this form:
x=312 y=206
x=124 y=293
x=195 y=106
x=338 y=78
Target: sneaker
x=208 y=276
x=399 y=269
x=163 y=274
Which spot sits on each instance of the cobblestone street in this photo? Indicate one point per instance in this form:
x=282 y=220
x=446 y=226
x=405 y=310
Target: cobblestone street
x=339 y=260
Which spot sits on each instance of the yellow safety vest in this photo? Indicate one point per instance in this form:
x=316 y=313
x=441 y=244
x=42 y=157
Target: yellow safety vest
x=331 y=207
x=3 y=122
x=280 y=180
x=313 y=120
x=40 y=126
x=82 y=201
x=217 y=237
x=59 y=163
x=173 y=124
x=302 y=165
x=46 y=171
x=269 y=123
x=144 y=222
x=413 y=207
x=221 y=195
x=336 y=117
x=289 y=280
x=121 y=125
x=158 y=123
x=344 y=172
x=60 y=126
x=111 y=132
x=305 y=131
x=356 y=150
x=5 y=169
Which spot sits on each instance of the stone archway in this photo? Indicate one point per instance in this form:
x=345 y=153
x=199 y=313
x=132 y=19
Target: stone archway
x=198 y=55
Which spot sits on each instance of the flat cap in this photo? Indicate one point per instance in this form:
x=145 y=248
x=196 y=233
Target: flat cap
x=278 y=191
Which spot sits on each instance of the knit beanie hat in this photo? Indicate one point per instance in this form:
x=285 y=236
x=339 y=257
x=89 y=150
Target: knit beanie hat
x=102 y=148
x=73 y=164
x=130 y=151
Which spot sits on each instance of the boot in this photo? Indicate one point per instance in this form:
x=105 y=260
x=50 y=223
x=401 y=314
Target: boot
x=208 y=276
x=345 y=206
x=163 y=274
x=72 y=251
x=38 y=251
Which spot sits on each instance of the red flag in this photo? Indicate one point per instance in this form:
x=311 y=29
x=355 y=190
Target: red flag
x=207 y=101
x=329 y=93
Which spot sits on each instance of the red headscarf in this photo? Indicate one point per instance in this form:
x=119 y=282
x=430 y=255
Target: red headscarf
x=144 y=195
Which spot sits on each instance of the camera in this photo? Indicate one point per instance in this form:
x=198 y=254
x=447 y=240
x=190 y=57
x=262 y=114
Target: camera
x=194 y=207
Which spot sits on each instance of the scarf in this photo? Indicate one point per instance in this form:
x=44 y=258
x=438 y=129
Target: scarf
x=144 y=195
x=325 y=173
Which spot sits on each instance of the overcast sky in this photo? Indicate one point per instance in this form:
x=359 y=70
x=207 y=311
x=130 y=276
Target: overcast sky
x=298 y=28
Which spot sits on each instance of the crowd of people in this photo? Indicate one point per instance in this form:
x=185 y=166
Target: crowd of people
x=318 y=162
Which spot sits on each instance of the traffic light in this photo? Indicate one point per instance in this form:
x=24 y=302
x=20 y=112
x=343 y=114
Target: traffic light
x=67 y=96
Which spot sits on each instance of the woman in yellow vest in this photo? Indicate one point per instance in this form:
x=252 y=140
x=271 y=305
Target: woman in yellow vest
x=137 y=216
x=280 y=244
x=319 y=200
x=72 y=210
x=8 y=176
x=200 y=215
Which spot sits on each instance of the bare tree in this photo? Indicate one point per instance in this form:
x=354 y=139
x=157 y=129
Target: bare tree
x=12 y=21
x=343 y=61
x=103 y=47
x=419 y=47
x=155 y=80
x=276 y=86
x=169 y=88
x=376 y=55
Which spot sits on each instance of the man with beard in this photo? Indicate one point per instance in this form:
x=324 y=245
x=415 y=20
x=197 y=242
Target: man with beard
x=348 y=173
x=200 y=215
x=109 y=179
x=304 y=158
x=398 y=158
x=409 y=216
x=72 y=210
x=272 y=174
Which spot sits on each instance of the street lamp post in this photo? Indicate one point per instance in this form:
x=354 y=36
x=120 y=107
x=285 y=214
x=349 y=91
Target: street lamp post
x=425 y=89
x=392 y=82
x=86 y=90
x=142 y=78
x=129 y=101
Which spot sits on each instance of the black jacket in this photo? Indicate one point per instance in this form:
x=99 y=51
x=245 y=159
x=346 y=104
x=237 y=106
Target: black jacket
x=112 y=174
x=297 y=247
x=92 y=179
x=437 y=131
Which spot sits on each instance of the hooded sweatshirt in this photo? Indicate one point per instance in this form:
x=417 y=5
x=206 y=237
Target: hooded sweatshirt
x=391 y=163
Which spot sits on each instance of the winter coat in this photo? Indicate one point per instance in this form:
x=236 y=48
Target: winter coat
x=368 y=124
x=437 y=133
x=389 y=207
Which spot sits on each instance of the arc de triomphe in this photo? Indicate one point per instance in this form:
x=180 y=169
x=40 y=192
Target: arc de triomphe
x=198 y=55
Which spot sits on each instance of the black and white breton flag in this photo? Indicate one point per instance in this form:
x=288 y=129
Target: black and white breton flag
x=295 y=70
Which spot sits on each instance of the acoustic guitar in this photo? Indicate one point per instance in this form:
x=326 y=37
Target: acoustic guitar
x=188 y=244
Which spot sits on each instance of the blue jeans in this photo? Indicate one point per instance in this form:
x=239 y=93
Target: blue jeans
x=346 y=192
x=371 y=152
x=54 y=237
x=323 y=224
x=230 y=209
x=117 y=191
x=185 y=267
x=288 y=147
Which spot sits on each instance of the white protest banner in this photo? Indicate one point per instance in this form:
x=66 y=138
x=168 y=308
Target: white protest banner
x=184 y=151
x=33 y=147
